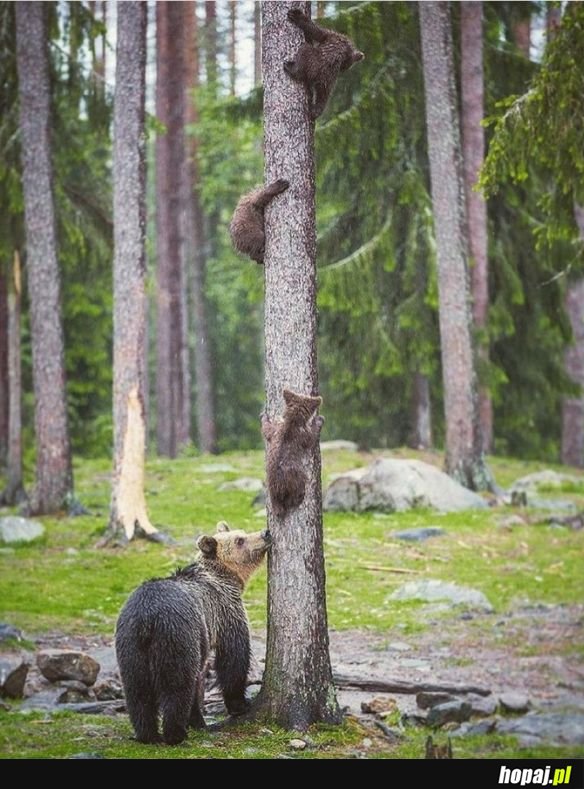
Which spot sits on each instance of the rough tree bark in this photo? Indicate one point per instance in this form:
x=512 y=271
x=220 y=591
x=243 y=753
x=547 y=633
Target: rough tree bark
x=3 y=367
x=522 y=35
x=232 y=47
x=572 y=448
x=172 y=374
x=257 y=43
x=128 y=515
x=54 y=477
x=421 y=434
x=298 y=687
x=211 y=42
x=14 y=491
x=464 y=455
x=473 y=147
x=195 y=246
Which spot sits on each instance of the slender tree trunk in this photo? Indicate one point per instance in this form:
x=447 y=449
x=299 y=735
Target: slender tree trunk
x=298 y=688
x=421 y=437
x=320 y=7
x=553 y=19
x=128 y=515
x=211 y=42
x=473 y=146
x=464 y=455
x=172 y=375
x=257 y=44
x=54 y=476
x=522 y=36
x=572 y=450
x=232 y=47
x=196 y=250
x=14 y=491
x=3 y=368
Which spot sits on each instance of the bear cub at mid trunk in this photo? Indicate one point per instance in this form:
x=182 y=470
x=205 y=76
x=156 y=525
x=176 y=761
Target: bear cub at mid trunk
x=168 y=625
x=287 y=440
x=247 y=225
x=320 y=60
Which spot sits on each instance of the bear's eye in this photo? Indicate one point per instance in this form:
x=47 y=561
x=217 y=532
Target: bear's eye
x=239 y=541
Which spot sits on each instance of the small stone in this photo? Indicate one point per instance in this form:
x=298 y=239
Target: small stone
x=366 y=742
x=337 y=445
x=379 y=705
x=9 y=633
x=419 y=535
x=72 y=552
x=452 y=711
x=76 y=693
x=108 y=690
x=487 y=726
x=392 y=734
x=426 y=700
x=399 y=646
x=16 y=529
x=431 y=590
x=261 y=513
x=216 y=468
x=482 y=706
x=266 y=732
x=297 y=745
x=59 y=664
x=247 y=484
x=86 y=755
x=515 y=702
x=510 y=521
x=13 y=672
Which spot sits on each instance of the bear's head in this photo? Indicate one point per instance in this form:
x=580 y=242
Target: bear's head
x=239 y=552
x=350 y=55
x=300 y=407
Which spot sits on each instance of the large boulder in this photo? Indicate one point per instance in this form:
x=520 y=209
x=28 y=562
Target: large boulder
x=548 y=479
x=16 y=529
x=392 y=485
x=57 y=664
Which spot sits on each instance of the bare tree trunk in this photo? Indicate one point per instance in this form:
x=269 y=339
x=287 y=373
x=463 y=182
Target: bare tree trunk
x=232 y=47
x=172 y=374
x=298 y=687
x=421 y=437
x=128 y=515
x=54 y=476
x=14 y=491
x=196 y=250
x=320 y=8
x=553 y=19
x=257 y=43
x=572 y=450
x=464 y=455
x=211 y=42
x=4 y=400
x=473 y=146
x=522 y=35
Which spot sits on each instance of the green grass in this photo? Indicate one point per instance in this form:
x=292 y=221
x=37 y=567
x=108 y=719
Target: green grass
x=64 y=583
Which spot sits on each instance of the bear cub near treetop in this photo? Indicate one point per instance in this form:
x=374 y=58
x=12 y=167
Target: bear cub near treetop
x=287 y=441
x=168 y=625
x=247 y=225
x=320 y=60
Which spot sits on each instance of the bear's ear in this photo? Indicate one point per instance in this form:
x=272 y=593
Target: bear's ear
x=289 y=397
x=357 y=56
x=207 y=546
x=222 y=526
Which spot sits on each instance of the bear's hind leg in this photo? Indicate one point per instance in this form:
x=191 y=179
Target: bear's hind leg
x=176 y=712
x=142 y=711
x=196 y=720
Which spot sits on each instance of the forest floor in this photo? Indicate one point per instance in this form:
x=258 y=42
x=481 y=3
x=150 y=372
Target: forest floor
x=62 y=591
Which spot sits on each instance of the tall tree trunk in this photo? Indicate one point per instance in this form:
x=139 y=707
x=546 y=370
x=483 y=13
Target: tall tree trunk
x=572 y=449
x=473 y=147
x=14 y=491
x=3 y=368
x=211 y=42
x=464 y=455
x=232 y=47
x=320 y=8
x=522 y=35
x=128 y=515
x=553 y=20
x=196 y=250
x=298 y=688
x=172 y=374
x=54 y=476
x=257 y=43
x=421 y=436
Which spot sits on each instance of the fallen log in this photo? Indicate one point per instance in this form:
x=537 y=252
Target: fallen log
x=374 y=685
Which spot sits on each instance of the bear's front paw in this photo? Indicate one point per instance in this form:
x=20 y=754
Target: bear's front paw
x=319 y=422
x=239 y=707
x=282 y=184
x=295 y=15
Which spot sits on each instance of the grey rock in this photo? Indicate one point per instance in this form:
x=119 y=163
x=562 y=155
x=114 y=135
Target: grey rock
x=482 y=706
x=398 y=646
x=9 y=633
x=451 y=712
x=46 y=699
x=545 y=479
x=56 y=664
x=426 y=700
x=97 y=707
x=16 y=529
x=263 y=513
x=419 y=535
x=392 y=734
x=247 y=484
x=431 y=590
x=108 y=689
x=75 y=692
x=260 y=498
x=392 y=485
x=552 y=505
x=514 y=702
x=337 y=445
x=13 y=673
x=297 y=745
x=216 y=468
x=554 y=728
x=486 y=726
x=86 y=755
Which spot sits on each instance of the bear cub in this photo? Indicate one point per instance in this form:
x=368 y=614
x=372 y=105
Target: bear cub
x=247 y=225
x=168 y=625
x=287 y=440
x=320 y=60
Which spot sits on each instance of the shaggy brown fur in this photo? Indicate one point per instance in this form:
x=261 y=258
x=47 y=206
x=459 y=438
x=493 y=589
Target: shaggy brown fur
x=320 y=60
x=287 y=440
x=438 y=751
x=247 y=224
x=168 y=625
